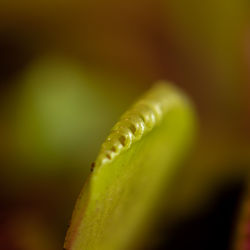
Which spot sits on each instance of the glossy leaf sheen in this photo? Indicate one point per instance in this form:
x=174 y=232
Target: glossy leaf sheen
x=132 y=171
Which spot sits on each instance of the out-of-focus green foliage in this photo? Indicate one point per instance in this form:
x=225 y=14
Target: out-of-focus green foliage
x=132 y=173
x=57 y=111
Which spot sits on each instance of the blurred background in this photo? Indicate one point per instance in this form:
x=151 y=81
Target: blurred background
x=69 y=69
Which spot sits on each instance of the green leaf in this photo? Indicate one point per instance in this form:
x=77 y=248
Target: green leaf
x=132 y=172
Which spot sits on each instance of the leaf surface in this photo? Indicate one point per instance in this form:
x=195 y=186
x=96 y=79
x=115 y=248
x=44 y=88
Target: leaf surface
x=132 y=172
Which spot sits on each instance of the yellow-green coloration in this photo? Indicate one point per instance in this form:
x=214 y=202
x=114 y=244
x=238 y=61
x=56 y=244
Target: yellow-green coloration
x=133 y=170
